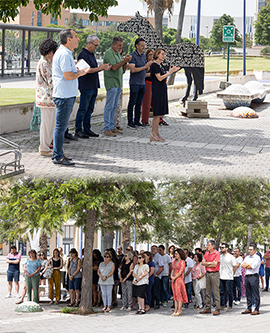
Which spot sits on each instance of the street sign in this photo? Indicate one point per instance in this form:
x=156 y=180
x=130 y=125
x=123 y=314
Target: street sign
x=228 y=33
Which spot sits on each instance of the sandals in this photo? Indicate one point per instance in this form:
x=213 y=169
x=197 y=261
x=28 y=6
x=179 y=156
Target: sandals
x=163 y=122
x=70 y=305
x=76 y=304
x=104 y=309
x=142 y=312
x=156 y=138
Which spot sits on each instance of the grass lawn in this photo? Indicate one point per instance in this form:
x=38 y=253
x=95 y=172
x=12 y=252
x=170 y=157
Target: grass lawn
x=213 y=64
x=9 y=96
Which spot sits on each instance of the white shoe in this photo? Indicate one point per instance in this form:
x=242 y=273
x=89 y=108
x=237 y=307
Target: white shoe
x=129 y=308
x=18 y=296
x=236 y=302
x=8 y=296
x=122 y=308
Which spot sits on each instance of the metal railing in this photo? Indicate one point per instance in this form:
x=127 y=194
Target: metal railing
x=12 y=167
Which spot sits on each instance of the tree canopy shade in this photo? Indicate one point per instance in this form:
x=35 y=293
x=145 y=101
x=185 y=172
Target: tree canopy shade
x=10 y=9
x=262 y=27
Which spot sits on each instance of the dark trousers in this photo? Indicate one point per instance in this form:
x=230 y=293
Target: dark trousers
x=157 y=290
x=226 y=288
x=149 y=292
x=165 y=288
x=86 y=108
x=252 y=290
x=237 y=287
x=135 y=98
x=267 y=275
x=188 y=290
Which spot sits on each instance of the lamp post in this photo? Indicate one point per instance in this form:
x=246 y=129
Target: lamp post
x=198 y=23
x=244 y=38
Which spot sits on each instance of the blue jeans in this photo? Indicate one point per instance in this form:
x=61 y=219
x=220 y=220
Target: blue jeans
x=86 y=108
x=135 y=98
x=165 y=288
x=64 y=107
x=157 y=290
x=267 y=275
x=188 y=290
x=237 y=286
x=226 y=286
x=112 y=100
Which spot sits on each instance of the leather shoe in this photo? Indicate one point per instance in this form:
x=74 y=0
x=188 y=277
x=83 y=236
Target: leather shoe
x=246 y=311
x=265 y=289
x=216 y=313
x=63 y=161
x=254 y=313
x=205 y=311
x=90 y=133
x=81 y=135
x=69 y=136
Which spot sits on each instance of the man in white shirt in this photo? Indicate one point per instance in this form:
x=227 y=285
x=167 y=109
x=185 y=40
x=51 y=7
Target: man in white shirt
x=252 y=264
x=188 y=277
x=237 y=292
x=165 y=274
x=159 y=267
x=227 y=270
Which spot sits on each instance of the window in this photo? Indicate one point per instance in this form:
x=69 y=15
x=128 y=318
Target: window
x=66 y=20
x=85 y=22
x=54 y=20
x=39 y=18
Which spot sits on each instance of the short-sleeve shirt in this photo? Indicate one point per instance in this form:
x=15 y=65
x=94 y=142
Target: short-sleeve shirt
x=209 y=257
x=63 y=62
x=267 y=261
x=112 y=78
x=138 y=270
x=151 y=264
x=104 y=271
x=189 y=264
x=14 y=267
x=89 y=81
x=238 y=272
x=197 y=270
x=166 y=260
x=227 y=261
x=32 y=266
x=139 y=60
x=44 y=84
x=158 y=260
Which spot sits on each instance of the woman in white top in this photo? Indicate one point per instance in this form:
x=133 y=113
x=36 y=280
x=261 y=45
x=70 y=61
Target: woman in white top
x=140 y=281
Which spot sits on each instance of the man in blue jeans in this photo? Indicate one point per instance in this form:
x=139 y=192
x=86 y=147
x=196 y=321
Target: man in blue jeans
x=113 y=80
x=165 y=274
x=159 y=267
x=188 y=276
x=65 y=89
x=237 y=278
x=88 y=86
x=138 y=66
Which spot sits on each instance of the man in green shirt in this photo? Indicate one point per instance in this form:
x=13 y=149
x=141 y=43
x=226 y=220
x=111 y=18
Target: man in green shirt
x=113 y=80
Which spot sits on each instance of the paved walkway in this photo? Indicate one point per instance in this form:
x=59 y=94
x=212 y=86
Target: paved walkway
x=158 y=321
x=218 y=146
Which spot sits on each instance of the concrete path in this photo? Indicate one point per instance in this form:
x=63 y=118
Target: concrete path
x=218 y=146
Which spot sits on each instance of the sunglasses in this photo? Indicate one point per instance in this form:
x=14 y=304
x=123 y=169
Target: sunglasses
x=106 y=256
x=139 y=257
x=222 y=247
x=128 y=249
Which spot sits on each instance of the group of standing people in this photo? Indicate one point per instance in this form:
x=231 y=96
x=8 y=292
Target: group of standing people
x=58 y=81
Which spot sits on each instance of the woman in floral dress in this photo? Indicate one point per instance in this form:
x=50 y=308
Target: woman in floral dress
x=178 y=282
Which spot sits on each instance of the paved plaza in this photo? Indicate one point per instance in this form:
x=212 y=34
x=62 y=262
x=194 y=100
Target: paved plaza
x=159 y=321
x=218 y=146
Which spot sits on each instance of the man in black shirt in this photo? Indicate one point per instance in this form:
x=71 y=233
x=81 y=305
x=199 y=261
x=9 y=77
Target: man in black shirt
x=88 y=86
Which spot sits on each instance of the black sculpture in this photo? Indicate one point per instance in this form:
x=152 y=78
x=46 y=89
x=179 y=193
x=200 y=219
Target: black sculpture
x=186 y=55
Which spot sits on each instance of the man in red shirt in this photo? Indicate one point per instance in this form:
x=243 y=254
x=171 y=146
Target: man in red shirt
x=267 y=268
x=211 y=261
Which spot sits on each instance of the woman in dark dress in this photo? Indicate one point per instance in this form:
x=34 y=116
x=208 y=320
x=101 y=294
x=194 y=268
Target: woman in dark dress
x=159 y=91
x=97 y=259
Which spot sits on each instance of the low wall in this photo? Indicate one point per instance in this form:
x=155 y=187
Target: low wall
x=17 y=117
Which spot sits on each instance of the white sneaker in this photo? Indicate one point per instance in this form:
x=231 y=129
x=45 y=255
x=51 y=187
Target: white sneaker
x=236 y=302
x=8 y=296
x=122 y=308
x=18 y=296
x=129 y=308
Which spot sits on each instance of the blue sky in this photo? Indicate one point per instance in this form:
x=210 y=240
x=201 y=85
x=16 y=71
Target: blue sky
x=209 y=7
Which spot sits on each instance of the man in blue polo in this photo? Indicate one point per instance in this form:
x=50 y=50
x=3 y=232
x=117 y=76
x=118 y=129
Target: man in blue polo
x=88 y=86
x=65 y=89
x=138 y=66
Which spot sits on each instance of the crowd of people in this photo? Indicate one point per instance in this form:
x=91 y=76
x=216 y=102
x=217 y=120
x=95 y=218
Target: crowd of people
x=148 y=280
x=59 y=77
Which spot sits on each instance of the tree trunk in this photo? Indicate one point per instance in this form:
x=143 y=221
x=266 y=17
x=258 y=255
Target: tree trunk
x=108 y=240
x=218 y=240
x=178 y=34
x=158 y=19
x=201 y=241
x=249 y=240
x=86 y=295
x=43 y=242
x=125 y=237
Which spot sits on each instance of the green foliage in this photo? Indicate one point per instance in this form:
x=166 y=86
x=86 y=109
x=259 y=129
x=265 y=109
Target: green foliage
x=66 y=309
x=217 y=31
x=249 y=41
x=262 y=27
x=265 y=50
x=106 y=37
x=169 y=35
x=75 y=22
x=204 y=42
x=10 y=9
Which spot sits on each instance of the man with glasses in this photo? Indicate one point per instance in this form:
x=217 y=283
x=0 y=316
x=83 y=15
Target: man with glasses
x=159 y=268
x=227 y=270
x=88 y=86
x=237 y=291
x=211 y=261
x=252 y=264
